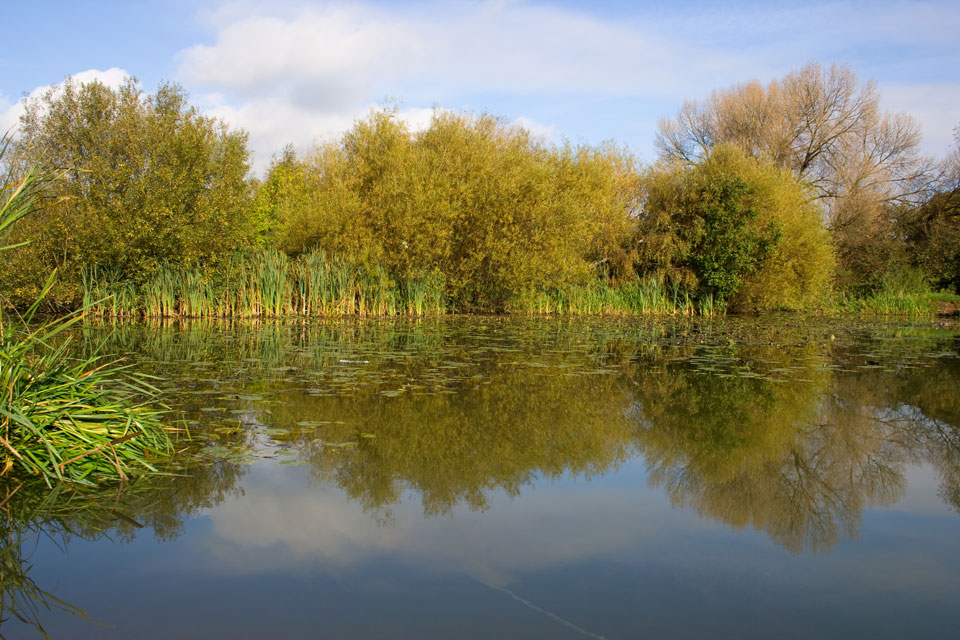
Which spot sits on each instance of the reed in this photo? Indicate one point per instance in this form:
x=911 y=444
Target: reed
x=74 y=420
x=64 y=418
x=266 y=284
x=885 y=303
x=639 y=296
x=900 y=294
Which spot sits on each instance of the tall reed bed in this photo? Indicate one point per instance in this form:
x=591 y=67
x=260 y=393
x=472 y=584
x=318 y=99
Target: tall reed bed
x=266 y=284
x=887 y=303
x=636 y=297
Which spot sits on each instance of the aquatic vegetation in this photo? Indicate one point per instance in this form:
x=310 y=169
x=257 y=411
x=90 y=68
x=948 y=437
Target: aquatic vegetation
x=64 y=418
x=266 y=284
x=75 y=420
x=637 y=296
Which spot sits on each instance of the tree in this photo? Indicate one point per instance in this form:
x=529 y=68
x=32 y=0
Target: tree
x=736 y=229
x=931 y=232
x=828 y=129
x=495 y=211
x=147 y=179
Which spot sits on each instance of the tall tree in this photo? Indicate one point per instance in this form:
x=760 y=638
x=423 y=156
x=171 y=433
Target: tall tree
x=826 y=127
x=147 y=179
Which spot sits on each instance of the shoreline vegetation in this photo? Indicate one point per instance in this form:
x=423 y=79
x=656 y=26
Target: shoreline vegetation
x=62 y=418
x=763 y=198
x=271 y=285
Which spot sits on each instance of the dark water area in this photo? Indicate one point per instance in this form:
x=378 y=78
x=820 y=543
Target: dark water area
x=516 y=478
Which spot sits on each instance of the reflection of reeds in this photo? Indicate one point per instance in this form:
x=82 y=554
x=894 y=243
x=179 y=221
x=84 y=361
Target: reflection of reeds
x=30 y=510
x=266 y=284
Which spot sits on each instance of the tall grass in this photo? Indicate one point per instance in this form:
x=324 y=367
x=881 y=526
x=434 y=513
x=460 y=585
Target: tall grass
x=266 y=284
x=62 y=418
x=905 y=293
x=638 y=296
x=269 y=284
x=73 y=420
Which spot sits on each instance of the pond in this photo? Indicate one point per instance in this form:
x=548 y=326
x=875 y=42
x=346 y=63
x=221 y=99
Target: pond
x=490 y=477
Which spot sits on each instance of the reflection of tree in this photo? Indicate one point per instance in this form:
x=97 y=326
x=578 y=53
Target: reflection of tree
x=917 y=410
x=30 y=511
x=774 y=426
x=798 y=460
x=515 y=424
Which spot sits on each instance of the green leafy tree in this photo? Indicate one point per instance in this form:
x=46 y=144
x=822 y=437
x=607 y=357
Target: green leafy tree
x=826 y=127
x=735 y=229
x=495 y=211
x=932 y=230
x=147 y=179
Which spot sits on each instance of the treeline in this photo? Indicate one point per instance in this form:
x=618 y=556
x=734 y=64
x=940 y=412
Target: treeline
x=800 y=194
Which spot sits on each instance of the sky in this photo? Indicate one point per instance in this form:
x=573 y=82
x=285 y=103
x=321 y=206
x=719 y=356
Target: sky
x=300 y=71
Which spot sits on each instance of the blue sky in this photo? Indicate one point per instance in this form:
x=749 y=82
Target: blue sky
x=299 y=71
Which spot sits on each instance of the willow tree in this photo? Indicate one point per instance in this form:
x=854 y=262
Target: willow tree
x=827 y=128
x=493 y=209
x=146 y=178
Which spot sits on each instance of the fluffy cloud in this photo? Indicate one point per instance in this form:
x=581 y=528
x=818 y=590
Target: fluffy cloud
x=10 y=112
x=308 y=70
x=310 y=75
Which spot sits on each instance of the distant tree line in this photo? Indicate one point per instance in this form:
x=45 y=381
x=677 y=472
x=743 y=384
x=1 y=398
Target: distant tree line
x=777 y=196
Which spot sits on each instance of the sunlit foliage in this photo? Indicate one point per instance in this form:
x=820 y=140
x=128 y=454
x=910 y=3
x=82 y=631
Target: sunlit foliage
x=826 y=127
x=735 y=229
x=486 y=204
x=146 y=179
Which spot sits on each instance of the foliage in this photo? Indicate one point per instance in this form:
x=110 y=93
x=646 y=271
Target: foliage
x=931 y=232
x=829 y=130
x=494 y=210
x=61 y=418
x=145 y=179
x=734 y=229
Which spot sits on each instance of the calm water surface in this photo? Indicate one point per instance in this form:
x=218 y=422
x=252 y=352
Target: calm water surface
x=512 y=478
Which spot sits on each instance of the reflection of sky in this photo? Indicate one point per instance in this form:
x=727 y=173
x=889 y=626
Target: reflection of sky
x=609 y=556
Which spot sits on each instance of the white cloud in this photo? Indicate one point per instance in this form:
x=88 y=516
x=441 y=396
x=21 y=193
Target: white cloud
x=314 y=72
x=10 y=112
x=309 y=70
x=546 y=132
x=297 y=528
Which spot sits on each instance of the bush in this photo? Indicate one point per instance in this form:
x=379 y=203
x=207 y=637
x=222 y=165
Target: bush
x=495 y=211
x=735 y=230
x=145 y=179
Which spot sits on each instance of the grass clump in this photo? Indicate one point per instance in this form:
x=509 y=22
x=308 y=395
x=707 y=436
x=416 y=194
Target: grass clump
x=74 y=420
x=267 y=283
x=64 y=418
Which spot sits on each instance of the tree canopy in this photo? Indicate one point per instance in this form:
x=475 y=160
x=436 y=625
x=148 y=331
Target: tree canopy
x=486 y=204
x=146 y=179
x=737 y=229
x=829 y=130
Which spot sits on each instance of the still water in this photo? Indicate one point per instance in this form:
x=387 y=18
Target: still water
x=517 y=478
